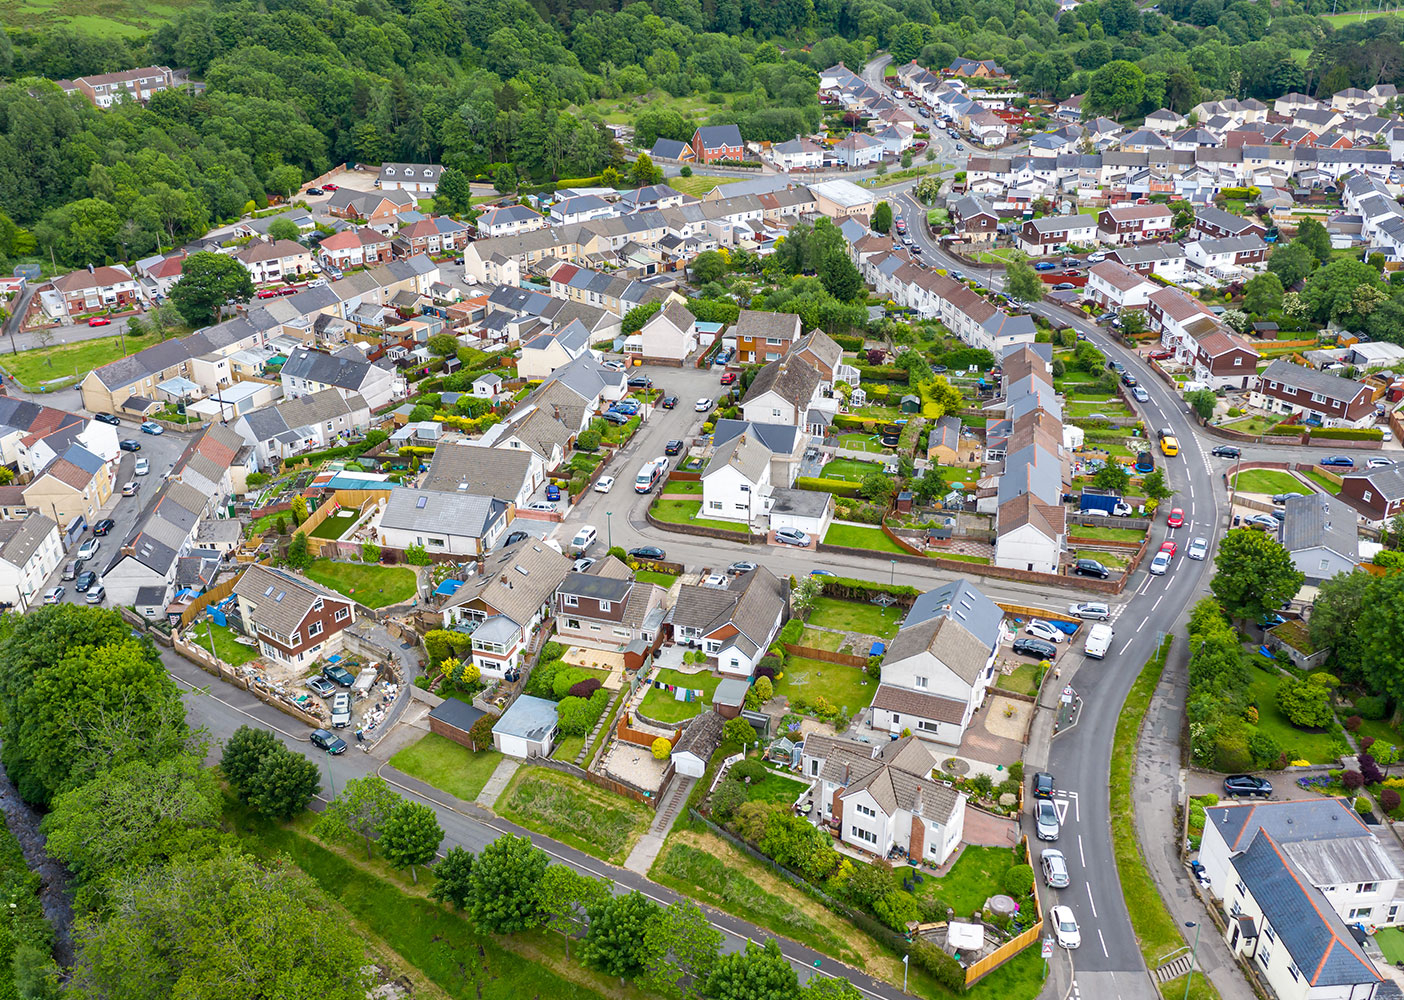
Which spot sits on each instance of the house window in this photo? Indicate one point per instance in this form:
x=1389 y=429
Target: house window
x=745 y=489
x=606 y=605
x=775 y=413
x=1268 y=932
x=773 y=341
x=717 y=505
x=861 y=834
x=295 y=638
x=1235 y=909
x=1294 y=972
x=1366 y=496
x=317 y=604
x=1239 y=887
x=930 y=727
x=1264 y=955
x=341 y=615
x=1316 y=397
x=1361 y=912
x=315 y=629
x=1367 y=887
x=865 y=810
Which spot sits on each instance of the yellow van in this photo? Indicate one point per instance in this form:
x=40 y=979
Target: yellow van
x=1169 y=446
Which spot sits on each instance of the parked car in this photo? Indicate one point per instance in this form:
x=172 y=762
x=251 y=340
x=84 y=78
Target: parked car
x=1263 y=522
x=669 y=402
x=1071 y=262
x=325 y=739
x=1045 y=265
x=1095 y=610
x=1063 y=286
x=321 y=687
x=152 y=427
x=96 y=595
x=1198 y=549
x=1091 y=567
x=1281 y=498
x=604 y=484
x=581 y=565
x=1140 y=395
x=1043 y=630
x=1128 y=380
x=338 y=675
x=1096 y=258
x=99 y=321
x=54 y=594
x=1043 y=785
x=728 y=378
x=1169 y=548
x=515 y=537
x=613 y=366
x=85 y=581
x=1055 y=868
x=1226 y=451
x=142 y=467
x=127 y=444
x=107 y=418
x=703 y=405
x=1065 y=927
x=1379 y=463
x=542 y=506
x=88 y=549
x=70 y=570
x=1046 y=820
x=130 y=487
x=615 y=417
x=673 y=447
x=651 y=552
x=1160 y=564
x=628 y=407
x=738 y=568
x=640 y=382
x=553 y=492
x=1176 y=518
x=791 y=536
x=1247 y=784
x=315 y=192
x=1039 y=648
x=1344 y=461
x=341 y=710
x=104 y=526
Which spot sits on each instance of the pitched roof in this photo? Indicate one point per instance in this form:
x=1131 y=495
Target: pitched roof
x=19 y=540
x=434 y=510
x=717 y=136
x=329 y=369
x=516 y=581
x=495 y=472
x=928 y=706
x=791 y=378
x=744 y=454
x=280 y=601
x=947 y=640
x=963 y=602
x=1323 y=383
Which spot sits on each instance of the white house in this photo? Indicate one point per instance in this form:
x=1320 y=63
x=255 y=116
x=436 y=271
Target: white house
x=1031 y=535
x=733 y=625
x=1117 y=286
x=416 y=178
x=883 y=797
x=307 y=371
x=857 y=149
x=553 y=349
x=509 y=220
x=459 y=524
x=585 y=208
x=736 y=482
x=1226 y=254
x=939 y=665
x=527 y=729
x=797 y=154
x=669 y=336
x=1319 y=532
x=274 y=260
x=30 y=550
x=303 y=423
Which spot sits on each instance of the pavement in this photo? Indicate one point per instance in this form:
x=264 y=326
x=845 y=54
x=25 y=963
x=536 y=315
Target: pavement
x=498 y=782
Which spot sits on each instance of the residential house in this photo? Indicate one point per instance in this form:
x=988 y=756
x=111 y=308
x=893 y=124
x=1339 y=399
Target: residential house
x=858 y=149
x=988 y=129
x=669 y=336
x=974 y=219
x=717 y=142
x=980 y=323
x=88 y=290
x=1164 y=120
x=106 y=89
x=1318 y=396
x=943 y=445
x=275 y=260
x=415 y=178
x=1319 y=532
x=1133 y=223
x=785 y=442
x=509 y=220
x=307 y=371
x=502 y=605
x=380 y=209
x=762 y=337
x=75 y=485
x=882 y=798
x=303 y=423
x=30 y=550
x=1030 y=534
x=459 y=524
x=736 y=482
x=734 y=625
x=553 y=349
x=1039 y=237
x=1164 y=260
x=651 y=196
x=1214 y=223
x=940 y=664
x=437 y=234
x=975 y=68
x=1378 y=494
x=584 y=208
x=1116 y=286
x=294 y=621
x=143 y=570
x=672 y=149
x=786 y=392
x=797 y=154
x=606 y=608
x=508 y=474
x=1227 y=255
x=527 y=729
x=1219 y=357
x=353 y=247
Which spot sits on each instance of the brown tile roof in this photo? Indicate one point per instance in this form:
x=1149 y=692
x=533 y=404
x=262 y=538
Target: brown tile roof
x=947 y=640
x=928 y=706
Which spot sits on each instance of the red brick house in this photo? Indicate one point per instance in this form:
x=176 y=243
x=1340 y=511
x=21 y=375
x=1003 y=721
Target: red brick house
x=1132 y=223
x=1376 y=493
x=717 y=142
x=294 y=622
x=95 y=288
x=354 y=247
x=1316 y=396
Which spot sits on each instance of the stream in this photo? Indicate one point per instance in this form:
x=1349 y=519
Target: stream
x=54 y=895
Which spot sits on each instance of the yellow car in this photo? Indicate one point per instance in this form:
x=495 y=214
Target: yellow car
x=1169 y=446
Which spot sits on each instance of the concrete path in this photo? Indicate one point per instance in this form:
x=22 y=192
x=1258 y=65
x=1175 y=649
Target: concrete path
x=645 y=852
x=498 y=782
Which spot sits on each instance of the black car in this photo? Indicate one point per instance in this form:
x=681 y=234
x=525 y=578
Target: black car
x=615 y=417
x=85 y=580
x=1091 y=567
x=325 y=739
x=1226 y=451
x=1043 y=785
x=669 y=402
x=130 y=445
x=673 y=447
x=338 y=675
x=104 y=526
x=1247 y=784
x=1128 y=380
x=1030 y=646
x=640 y=382
x=515 y=537
x=647 y=552
x=1282 y=498
x=315 y=191
x=107 y=418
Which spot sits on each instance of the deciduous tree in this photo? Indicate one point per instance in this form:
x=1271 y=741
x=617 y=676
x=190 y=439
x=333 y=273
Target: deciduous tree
x=1253 y=574
x=567 y=897
x=1263 y=293
x=882 y=217
x=410 y=836
x=283 y=229
x=207 y=282
x=453 y=878
x=680 y=952
x=284 y=783
x=504 y=894
x=1022 y=282
x=758 y=973
x=360 y=810
x=618 y=935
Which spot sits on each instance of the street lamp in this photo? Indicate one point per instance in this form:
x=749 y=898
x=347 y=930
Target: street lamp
x=892 y=579
x=609 y=529
x=1189 y=978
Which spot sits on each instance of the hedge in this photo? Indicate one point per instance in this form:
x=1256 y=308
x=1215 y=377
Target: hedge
x=1348 y=433
x=851 y=422
x=313 y=457
x=838 y=487
x=847 y=588
x=847 y=342
x=882 y=373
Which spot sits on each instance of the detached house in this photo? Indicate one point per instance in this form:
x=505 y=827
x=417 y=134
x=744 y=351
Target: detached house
x=797 y=154
x=1318 y=396
x=459 y=524
x=294 y=621
x=1319 y=532
x=717 y=142
x=606 y=608
x=1118 y=287
x=736 y=482
x=733 y=625
x=416 y=178
x=974 y=219
x=763 y=337
x=90 y=289
x=354 y=247
x=1227 y=254
x=1039 y=237
x=786 y=392
x=669 y=336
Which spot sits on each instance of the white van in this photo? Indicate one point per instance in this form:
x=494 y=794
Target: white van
x=650 y=475
x=1099 y=641
x=583 y=539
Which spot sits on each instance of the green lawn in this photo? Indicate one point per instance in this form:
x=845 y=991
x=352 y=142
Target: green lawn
x=335 y=525
x=371 y=585
x=568 y=748
x=699 y=184
x=1200 y=988
x=776 y=788
x=1106 y=534
x=650 y=576
x=1268 y=481
x=959 y=557
x=236 y=654
x=977 y=875
x=448 y=766
x=1110 y=408
x=1340 y=20
x=820 y=639
x=861 y=537
x=856 y=616
x=686 y=511
x=845 y=687
x=859 y=442
x=1021 y=681
x=1320 y=480
x=1391 y=942
x=57 y=362
x=1109 y=559
x=659 y=704
x=619 y=433
x=847 y=468
x=1299 y=744
x=1253 y=425
x=682 y=486
x=574 y=812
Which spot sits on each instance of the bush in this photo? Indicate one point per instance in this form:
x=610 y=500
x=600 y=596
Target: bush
x=1264 y=749
x=945 y=969
x=1352 y=780
x=1354 y=723
x=1019 y=880
x=896 y=909
x=481 y=732
x=790 y=633
x=1305 y=704
x=585 y=688
x=1362 y=806
x=1372 y=706
x=727 y=799
x=552 y=651
x=1348 y=433
x=838 y=487
x=1389 y=800
x=1370 y=770
x=577 y=716
x=1231 y=753
x=748 y=770
x=662 y=748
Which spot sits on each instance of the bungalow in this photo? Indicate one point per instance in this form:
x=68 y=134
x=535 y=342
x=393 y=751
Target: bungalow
x=733 y=625
x=415 y=178
x=294 y=621
x=1133 y=223
x=717 y=142
x=1225 y=255
x=797 y=154
x=459 y=524
x=606 y=608
x=1320 y=534
x=1320 y=397
x=508 y=474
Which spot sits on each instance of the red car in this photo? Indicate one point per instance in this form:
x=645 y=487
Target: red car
x=268 y=293
x=1176 y=518
x=329 y=187
x=1170 y=548
x=728 y=378
x=1160 y=355
x=99 y=321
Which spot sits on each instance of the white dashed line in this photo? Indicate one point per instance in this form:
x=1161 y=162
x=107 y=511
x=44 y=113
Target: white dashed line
x=1090 y=900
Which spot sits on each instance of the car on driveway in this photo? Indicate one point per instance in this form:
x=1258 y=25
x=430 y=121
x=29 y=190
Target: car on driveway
x=613 y=366
x=321 y=687
x=96 y=594
x=1040 y=649
x=673 y=447
x=1091 y=567
x=341 y=710
x=628 y=407
x=553 y=492
x=652 y=552
x=1046 y=819
x=1226 y=451
x=614 y=417
x=1281 y=498
x=54 y=594
x=1176 y=518
x=1198 y=549
x=542 y=507
x=1379 y=463
x=1055 y=868
x=1160 y=564
x=1344 y=461
x=1065 y=927
x=515 y=537
x=338 y=675
x=104 y=526
x=1247 y=784
x=1263 y=522
x=325 y=739
x=604 y=484
x=152 y=427
x=669 y=402
x=640 y=382
x=1095 y=610
x=107 y=418
x=127 y=444
x=1040 y=628
x=791 y=536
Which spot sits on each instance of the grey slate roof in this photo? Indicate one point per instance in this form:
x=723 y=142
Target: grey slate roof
x=963 y=602
x=1320 y=521
x=528 y=717
x=595 y=586
x=280 y=601
x=1324 y=383
x=19 y=540
x=1287 y=820
x=318 y=366
x=495 y=472
x=451 y=513
x=948 y=640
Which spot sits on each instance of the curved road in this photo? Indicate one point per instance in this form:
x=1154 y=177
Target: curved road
x=1109 y=963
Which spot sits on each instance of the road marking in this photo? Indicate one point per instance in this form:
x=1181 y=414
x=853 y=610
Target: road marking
x=1104 y=943
x=1128 y=644
x=1143 y=623
x=1091 y=901
x=1082 y=857
x=1157 y=602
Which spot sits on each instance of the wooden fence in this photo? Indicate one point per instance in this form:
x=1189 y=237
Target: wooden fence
x=648 y=798
x=212 y=596
x=978 y=970
x=349 y=499
x=813 y=653
x=638 y=737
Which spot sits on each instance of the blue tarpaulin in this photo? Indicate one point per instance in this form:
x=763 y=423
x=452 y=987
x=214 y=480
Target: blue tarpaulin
x=448 y=587
x=878 y=649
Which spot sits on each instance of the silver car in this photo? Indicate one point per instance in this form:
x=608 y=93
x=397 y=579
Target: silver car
x=1160 y=564
x=1055 y=868
x=1046 y=819
x=1095 y=610
x=1198 y=549
x=341 y=710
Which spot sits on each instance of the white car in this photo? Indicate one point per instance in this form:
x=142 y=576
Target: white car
x=613 y=366
x=702 y=405
x=1065 y=927
x=1379 y=463
x=1198 y=549
x=142 y=467
x=89 y=549
x=1096 y=258
x=542 y=505
x=1042 y=630
x=604 y=484
x=1160 y=564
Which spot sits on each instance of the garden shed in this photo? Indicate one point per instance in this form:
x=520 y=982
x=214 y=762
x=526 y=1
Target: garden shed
x=911 y=403
x=729 y=696
x=452 y=719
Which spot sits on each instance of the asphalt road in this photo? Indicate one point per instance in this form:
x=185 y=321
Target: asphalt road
x=1109 y=962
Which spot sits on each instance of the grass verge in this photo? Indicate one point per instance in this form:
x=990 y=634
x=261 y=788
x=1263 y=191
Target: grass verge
x=1267 y=481
x=447 y=766
x=686 y=511
x=574 y=812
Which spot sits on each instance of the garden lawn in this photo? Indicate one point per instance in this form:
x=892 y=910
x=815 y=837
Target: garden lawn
x=1109 y=408
x=857 y=616
x=699 y=184
x=1299 y=744
x=659 y=704
x=447 y=765
x=1108 y=558
x=1106 y=534
x=959 y=557
x=821 y=639
x=859 y=442
x=664 y=580
x=847 y=468
x=1391 y=942
x=334 y=525
x=1021 y=681
x=619 y=433
x=574 y=812
x=976 y=875
x=568 y=749
x=60 y=362
x=682 y=486
x=1267 y=481
x=776 y=788
x=1380 y=729
x=1320 y=480
x=861 y=537
x=371 y=585
x=1199 y=988
x=227 y=648
x=843 y=687
x=686 y=511
x=1252 y=425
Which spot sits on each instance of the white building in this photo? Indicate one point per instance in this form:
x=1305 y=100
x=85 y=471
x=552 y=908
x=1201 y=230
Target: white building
x=459 y=524
x=416 y=178
x=669 y=336
x=1117 y=286
x=30 y=550
x=736 y=482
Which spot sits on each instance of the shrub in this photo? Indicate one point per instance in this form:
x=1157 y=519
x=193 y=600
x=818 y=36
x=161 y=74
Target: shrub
x=838 y=487
x=1370 y=770
x=945 y=969
x=1352 y=780
x=481 y=732
x=748 y=770
x=1372 y=706
x=1264 y=748
x=552 y=651
x=1354 y=723
x=1348 y=433
x=896 y=909
x=727 y=799
x=1019 y=880
x=577 y=716
x=1231 y=753
x=1389 y=800
x=585 y=688
x=1304 y=703
x=662 y=748
x=790 y=633
x=1362 y=805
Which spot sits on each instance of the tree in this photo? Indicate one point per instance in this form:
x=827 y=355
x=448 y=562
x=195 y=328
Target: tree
x=253 y=929
x=1115 y=88
x=636 y=317
x=618 y=933
x=410 y=836
x=882 y=217
x=207 y=282
x=361 y=810
x=1263 y=293
x=504 y=887
x=1253 y=574
x=1153 y=485
x=1203 y=401
x=445 y=345
x=1304 y=703
x=708 y=266
x=840 y=276
x=1332 y=293
x=644 y=171
x=739 y=731
x=567 y=897
x=284 y=783
x=1334 y=616
x=285 y=180
x=1022 y=282
x=758 y=973
x=283 y=229
x=370 y=552
x=299 y=508
x=242 y=756
x=878 y=487
x=804 y=594
x=829 y=988
x=504 y=178
x=1381 y=657
x=452 y=878
x=1312 y=235
x=1112 y=476
x=298 y=555
x=454 y=193
x=680 y=952
x=662 y=749
x=930 y=485
x=1291 y=262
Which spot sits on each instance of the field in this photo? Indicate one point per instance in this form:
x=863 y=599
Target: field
x=1340 y=20
x=853 y=616
x=686 y=511
x=659 y=704
x=844 y=687
x=371 y=585
x=232 y=652
x=448 y=766
x=65 y=362
x=112 y=19
x=861 y=537
x=1268 y=481
x=574 y=812
x=335 y=525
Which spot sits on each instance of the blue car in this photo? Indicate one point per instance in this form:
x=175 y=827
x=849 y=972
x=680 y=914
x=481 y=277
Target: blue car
x=626 y=406
x=553 y=492
x=1045 y=265
x=151 y=427
x=1345 y=461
